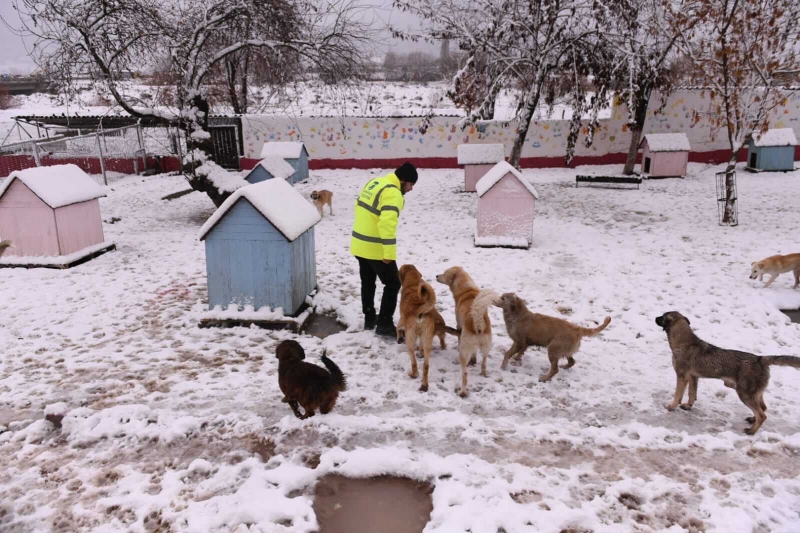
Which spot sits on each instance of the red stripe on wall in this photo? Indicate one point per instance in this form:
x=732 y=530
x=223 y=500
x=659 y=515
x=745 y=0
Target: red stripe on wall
x=714 y=156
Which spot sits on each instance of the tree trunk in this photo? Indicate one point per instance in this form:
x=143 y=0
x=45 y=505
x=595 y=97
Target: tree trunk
x=729 y=212
x=205 y=144
x=231 y=76
x=245 y=76
x=642 y=99
x=531 y=104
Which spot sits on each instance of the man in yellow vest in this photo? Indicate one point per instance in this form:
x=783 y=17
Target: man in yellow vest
x=374 y=243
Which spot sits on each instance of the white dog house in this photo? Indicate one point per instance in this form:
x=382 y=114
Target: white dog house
x=506 y=203
x=478 y=159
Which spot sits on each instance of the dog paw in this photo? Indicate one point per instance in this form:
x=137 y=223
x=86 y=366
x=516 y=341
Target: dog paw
x=504 y=366
x=462 y=393
x=750 y=431
x=484 y=373
x=669 y=407
x=543 y=379
x=423 y=388
x=414 y=374
x=686 y=407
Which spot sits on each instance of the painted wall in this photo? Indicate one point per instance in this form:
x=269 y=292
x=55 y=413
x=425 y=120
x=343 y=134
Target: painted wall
x=28 y=223
x=79 y=226
x=381 y=142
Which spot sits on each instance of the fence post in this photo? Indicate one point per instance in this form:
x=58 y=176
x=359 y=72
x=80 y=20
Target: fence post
x=36 y=156
x=141 y=144
x=102 y=158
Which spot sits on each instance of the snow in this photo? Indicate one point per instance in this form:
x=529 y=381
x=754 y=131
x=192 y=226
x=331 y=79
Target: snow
x=54 y=261
x=284 y=150
x=59 y=408
x=277 y=167
x=250 y=313
x=667 y=142
x=775 y=137
x=177 y=428
x=58 y=185
x=480 y=154
x=515 y=242
x=497 y=173
x=278 y=201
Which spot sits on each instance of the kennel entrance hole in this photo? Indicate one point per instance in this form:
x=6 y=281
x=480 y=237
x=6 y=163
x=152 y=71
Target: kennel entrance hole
x=386 y=504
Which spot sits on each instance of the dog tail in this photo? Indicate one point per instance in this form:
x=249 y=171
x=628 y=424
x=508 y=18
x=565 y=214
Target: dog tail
x=452 y=331
x=336 y=373
x=480 y=306
x=782 y=360
x=429 y=296
x=591 y=332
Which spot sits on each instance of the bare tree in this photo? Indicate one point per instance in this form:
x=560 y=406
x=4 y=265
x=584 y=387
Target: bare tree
x=522 y=44
x=742 y=52
x=105 y=38
x=640 y=38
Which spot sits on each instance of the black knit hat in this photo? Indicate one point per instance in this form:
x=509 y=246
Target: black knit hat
x=406 y=172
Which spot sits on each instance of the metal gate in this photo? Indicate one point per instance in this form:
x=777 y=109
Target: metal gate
x=226 y=145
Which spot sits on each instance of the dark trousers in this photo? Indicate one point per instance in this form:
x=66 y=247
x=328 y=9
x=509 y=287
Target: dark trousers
x=370 y=270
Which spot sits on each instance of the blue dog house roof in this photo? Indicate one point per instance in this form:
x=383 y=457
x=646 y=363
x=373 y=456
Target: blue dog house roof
x=775 y=137
x=284 y=150
x=276 y=167
x=278 y=202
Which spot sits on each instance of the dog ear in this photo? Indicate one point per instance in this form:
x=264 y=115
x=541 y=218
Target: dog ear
x=688 y=321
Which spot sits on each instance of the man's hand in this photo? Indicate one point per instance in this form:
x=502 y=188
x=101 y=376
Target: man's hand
x=387 y=261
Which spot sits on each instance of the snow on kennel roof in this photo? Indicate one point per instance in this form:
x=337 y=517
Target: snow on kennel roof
x=278 y=202
x=57 y=186
x=497 y=172
x=667 y=142
x=277 y=167
x=284 y=150
x=480 y=154
x=776 y=137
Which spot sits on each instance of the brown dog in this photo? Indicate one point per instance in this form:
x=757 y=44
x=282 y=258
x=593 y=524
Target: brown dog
x=472 y=319
x=308 y=385
x=419 y=321
x=776 y=265
x=693 y=358
x=321 y=198
x=3 y=246
x=561 y=338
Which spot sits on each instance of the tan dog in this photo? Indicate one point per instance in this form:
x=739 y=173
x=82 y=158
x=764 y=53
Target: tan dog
x=419 y=321
x=321 y=198
x=693 y=358
x=561 y=338
x=776 y=265
x=472 y=318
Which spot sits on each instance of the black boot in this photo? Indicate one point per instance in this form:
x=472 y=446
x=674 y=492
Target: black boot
x=385 y=328
x=370 y=319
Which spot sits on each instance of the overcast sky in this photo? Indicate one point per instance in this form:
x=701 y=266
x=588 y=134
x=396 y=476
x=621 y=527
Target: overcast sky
x=14 y=58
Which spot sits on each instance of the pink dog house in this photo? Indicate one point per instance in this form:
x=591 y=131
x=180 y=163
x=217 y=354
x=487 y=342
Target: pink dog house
x=506 y=204
x=665 y=155
x=51 y=215
x=477 y=160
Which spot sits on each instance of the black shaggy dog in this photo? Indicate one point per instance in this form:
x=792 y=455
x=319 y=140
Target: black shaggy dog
x=305 y=384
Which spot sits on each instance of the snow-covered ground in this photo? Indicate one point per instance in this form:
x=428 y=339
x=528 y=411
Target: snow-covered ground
x=169 y=427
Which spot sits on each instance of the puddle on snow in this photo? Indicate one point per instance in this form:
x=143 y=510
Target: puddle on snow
x=386 y=504
x=793 y=314
x=322 y=325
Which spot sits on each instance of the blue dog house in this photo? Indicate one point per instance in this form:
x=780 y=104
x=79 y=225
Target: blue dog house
x=772 y=151
x=294 y=153
x=260 y=248
x=268 y=168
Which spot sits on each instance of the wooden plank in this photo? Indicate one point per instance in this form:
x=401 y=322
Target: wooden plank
x=79 y=226
x=81 y=260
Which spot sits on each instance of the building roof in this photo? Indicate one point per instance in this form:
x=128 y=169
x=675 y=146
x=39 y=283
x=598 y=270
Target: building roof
x=775 y=137
x=497 y=172
x=277 y=201
x=480 y=154
x=57 y=186
x=276 y=166
x=667 y=142
x=285 y=150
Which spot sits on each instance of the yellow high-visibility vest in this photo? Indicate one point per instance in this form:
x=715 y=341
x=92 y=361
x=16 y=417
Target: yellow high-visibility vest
x=377 y=211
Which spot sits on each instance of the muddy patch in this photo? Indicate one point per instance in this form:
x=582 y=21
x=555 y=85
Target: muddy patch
x=386 y=504
x=793 y=314
x=322 y=325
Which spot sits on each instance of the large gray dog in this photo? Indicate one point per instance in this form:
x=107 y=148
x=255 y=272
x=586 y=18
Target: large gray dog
x=693 y=358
